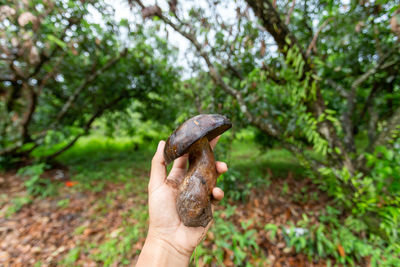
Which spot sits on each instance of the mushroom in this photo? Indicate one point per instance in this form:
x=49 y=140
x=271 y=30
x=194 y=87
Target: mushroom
x=195 y=191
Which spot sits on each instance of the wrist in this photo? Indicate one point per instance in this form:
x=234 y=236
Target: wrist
x=168 y=243
x=160 y=252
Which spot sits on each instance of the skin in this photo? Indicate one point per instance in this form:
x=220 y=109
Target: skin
x=169 y=242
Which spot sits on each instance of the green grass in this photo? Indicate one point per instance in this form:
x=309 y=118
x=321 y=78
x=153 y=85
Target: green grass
x=96 y=161
x=98 y=149
x=93 y=161
x=247 y=157
x=120 y=167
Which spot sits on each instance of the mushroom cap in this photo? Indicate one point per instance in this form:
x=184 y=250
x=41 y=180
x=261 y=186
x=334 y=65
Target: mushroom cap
x=203 y=125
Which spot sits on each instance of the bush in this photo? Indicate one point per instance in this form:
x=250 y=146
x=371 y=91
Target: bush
x=35 y=185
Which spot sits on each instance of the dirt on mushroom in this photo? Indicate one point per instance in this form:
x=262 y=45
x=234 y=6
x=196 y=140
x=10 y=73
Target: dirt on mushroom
x=195 y=190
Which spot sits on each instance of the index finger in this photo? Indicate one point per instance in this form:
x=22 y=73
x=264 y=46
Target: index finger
x=214 y=142
x=158 y=171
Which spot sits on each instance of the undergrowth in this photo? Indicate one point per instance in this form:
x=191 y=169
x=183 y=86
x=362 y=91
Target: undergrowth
x=94 y=162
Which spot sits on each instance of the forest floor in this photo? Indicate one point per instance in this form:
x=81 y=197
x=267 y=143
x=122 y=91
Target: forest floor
x=99 y=214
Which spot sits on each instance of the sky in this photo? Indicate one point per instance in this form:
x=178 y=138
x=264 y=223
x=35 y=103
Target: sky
x=123 y=11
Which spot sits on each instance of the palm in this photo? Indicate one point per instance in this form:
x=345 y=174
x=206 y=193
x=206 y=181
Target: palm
x=164 y=219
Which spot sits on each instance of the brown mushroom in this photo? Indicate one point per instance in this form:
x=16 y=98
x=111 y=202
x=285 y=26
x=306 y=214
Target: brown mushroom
x=195 y=192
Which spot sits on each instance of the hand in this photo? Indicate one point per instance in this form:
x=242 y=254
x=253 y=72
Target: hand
x=165 y=227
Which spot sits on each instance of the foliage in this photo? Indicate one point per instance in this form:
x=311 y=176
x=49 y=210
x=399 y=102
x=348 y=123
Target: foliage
x=340 y=241
x=71 y=257
x=17 y=204
x=96 y=160
x=376 y=193
x=35 y=185
x=61 y=71
x=63 y=203
x=233 y=239
x=320 y=75
x=228 y=237
x=116 y=248
x=315 y=83
x=251 y=166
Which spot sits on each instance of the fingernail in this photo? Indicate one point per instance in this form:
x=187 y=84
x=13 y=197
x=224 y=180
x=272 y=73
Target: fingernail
x=160 y=145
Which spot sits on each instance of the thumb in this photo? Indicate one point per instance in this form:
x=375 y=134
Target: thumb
x=158 y=172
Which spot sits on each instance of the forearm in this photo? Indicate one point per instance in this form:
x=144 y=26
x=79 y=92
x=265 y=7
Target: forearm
x=158 y=252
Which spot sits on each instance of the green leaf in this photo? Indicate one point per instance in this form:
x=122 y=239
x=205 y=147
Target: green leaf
x=56 y=41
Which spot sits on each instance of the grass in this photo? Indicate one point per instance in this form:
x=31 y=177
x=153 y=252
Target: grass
x=118 y=170
x=96 y=161
x=278 y=162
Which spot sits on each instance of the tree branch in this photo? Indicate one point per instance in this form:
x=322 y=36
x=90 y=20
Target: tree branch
x=32 y=99
x=10 y=149
x=337 y=87
x=43 y=57
x=87 y=126
x=216 y=77
x=287 y=21
x=234 y=70
x=6 y=79
x=313 y=43
x=32 y=95
x=368 y=106
x=348 y=124
x=272 y=22
x=65 y=108
x=83 y=85
x=372 y=123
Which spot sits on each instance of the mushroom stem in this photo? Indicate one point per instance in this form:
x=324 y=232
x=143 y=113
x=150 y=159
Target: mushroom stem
x=194 y=198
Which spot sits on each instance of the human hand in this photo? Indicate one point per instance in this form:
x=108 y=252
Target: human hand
x=165 y=228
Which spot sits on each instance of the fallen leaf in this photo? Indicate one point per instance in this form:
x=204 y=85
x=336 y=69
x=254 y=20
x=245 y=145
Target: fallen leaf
x=116 y=232
x=341 y=250
x=4 y=256
x=71 y=183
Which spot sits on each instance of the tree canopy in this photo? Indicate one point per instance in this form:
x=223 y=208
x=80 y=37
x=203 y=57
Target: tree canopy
x=60 y=71
x=317 y=73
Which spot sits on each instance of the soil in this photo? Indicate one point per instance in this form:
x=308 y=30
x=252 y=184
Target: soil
x=44 y=232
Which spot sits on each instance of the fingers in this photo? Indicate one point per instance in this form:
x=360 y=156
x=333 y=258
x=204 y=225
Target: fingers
x=221 y=167
x=214 y=142
x=158 y=169
x=218 y=194
x=178 y=171
x=180 y=163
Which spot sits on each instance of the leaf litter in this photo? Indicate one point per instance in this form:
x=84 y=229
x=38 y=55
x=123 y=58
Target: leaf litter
x=46 y=230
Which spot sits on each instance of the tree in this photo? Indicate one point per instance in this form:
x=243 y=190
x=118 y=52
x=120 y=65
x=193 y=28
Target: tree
x=316 y=73
x=60 y=71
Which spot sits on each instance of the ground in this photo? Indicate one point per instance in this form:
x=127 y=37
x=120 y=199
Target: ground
x=99 y=215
